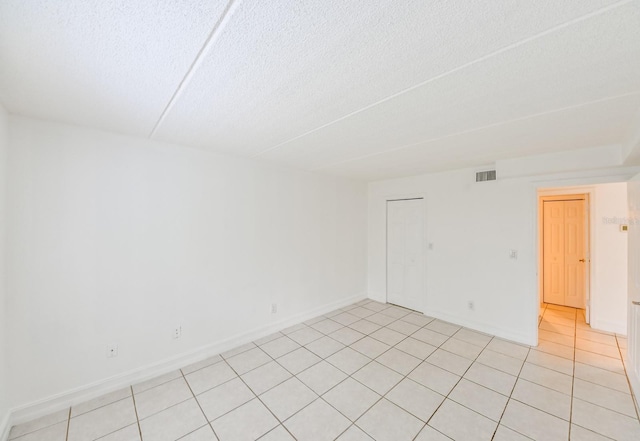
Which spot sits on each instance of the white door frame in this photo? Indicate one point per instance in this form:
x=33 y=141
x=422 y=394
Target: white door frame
x=407 y=197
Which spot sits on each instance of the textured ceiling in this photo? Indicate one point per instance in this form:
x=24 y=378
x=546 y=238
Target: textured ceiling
x=358 y=88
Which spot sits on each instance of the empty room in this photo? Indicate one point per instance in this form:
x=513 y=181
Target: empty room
x=313 y=220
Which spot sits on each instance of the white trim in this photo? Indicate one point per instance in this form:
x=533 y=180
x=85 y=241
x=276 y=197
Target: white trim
x=507 y=334
x=608 y=326
x=81 y=394
x=5 y=426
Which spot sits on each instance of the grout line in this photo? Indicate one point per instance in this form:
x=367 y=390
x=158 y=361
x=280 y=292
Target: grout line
x=454 y=70
x=68 y=425
x=135 y=408
x=213 y=35
x=200 y=407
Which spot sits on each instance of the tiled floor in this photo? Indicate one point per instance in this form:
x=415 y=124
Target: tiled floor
x=374 y=371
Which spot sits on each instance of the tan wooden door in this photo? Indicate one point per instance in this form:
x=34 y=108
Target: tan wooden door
x=564 y=253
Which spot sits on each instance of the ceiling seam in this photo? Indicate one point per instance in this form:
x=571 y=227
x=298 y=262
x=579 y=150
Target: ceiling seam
x=477 y=129
x=454 y=70
x=213 y=36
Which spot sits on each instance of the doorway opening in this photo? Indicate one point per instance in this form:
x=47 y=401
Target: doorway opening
x=565 y=251
x=406 y=257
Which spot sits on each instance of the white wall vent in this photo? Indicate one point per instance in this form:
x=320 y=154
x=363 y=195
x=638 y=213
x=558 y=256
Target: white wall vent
x=489 y=175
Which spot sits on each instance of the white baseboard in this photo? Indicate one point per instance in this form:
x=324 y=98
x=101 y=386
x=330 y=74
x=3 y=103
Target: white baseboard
x=5 y=426
x=607 y=326
x=507 y=334
x=87 y=392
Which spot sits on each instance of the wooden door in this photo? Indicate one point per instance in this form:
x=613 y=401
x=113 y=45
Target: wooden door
x=564 y=252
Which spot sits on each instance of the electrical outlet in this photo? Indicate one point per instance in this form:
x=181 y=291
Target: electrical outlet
x=471 y=305
x=112 y=351
x=513 y=254
x=177 y=331
x=274 y=308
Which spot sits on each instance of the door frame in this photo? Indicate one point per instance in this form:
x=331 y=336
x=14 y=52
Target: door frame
x=560 y=194
x=423 y=299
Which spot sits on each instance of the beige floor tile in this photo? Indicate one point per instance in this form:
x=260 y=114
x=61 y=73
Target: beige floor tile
x=365 y=326
x=246 y=423
x=132 y=433
x=271 y=337
x=39 y=423
x=161 y=397
x=598 y=348
x=173 y=423
x=534 y=423
x=479 y=398
x=554 y=337
x=348 y=360
x=345 y=318
x=361 y=312
x=428 y=433
x=370 y=347
x=351 y=398
x=327 y=326
x=156 y=381
x=402 y=327
x=597 y=337
x=434 y=378
x=224 y=398
x=305 y=336
x=396 y=312
x=288 y=398
x=443 y=327
x=398 y=361
x=279 y=347
x=581 y=434
x=543 y=398
x=511 y=349
x=604 y=397
x=501 y=362
x=300 y=326
x=600 y=361
x=248 y=360
x=605 y=422
x=549 y=361
x=55 y=432
x=554 y=327
x=416 y=348
x=298 y=360
x=317 y=422
x=388 y=336
x=381 y=319
x=602 y=377
x=376 y=306
x=547 y=377
x=102 y=421
x=415 y=398
x=377 y=377
x=449 y=361
x=555 y=349
x=324 y=347
x=201 y=364
x=431 y=337
x=354 y=433
x=265 y=377
x=322 y=377
x=237 y=350
x=277 y=434
x=460 y=423
x=417 y=319
x=346 y=336
x=103 y=400
x=505 y=434
x=473 y=337
x=461 y=348
x=387 y=422
x=209 y=377
x=491 y=378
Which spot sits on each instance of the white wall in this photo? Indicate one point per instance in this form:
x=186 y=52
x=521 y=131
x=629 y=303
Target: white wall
x=114 y=239
x=4 y=381
x=473 y=228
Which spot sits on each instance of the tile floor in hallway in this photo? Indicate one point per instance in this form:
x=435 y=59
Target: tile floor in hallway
x=375 y=371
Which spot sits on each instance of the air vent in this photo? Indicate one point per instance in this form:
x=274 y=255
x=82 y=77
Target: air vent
x=489 y=175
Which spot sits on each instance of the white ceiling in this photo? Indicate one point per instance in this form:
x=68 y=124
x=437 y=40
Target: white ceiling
x=363 y=89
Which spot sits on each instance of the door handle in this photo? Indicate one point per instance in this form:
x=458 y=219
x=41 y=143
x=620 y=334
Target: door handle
x=581 y=260
x=636 y=303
